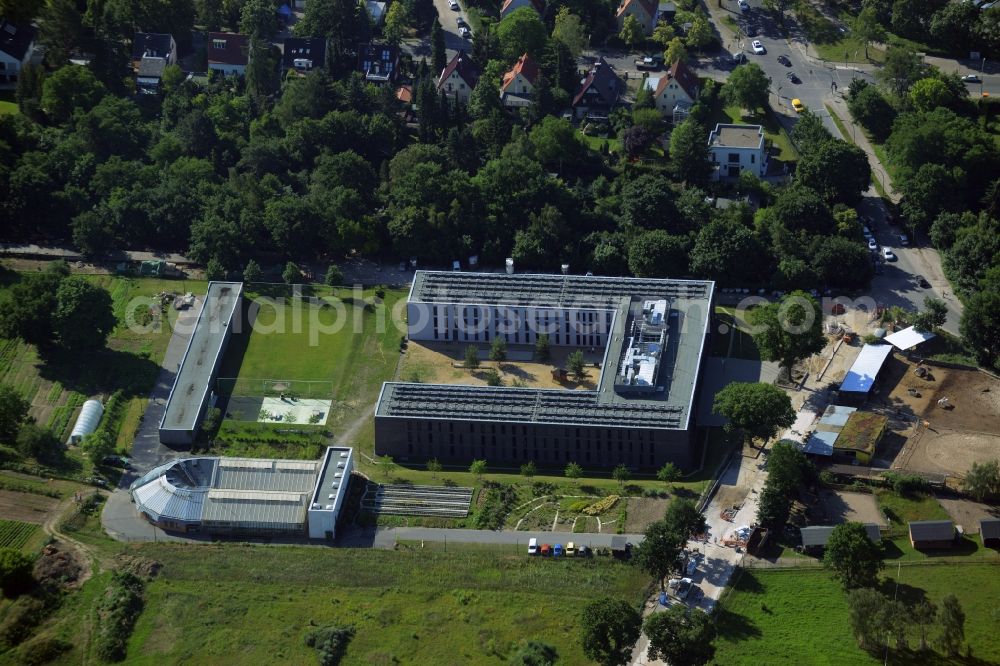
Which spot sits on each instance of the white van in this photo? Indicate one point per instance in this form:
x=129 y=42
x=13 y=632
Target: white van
x=532 y=546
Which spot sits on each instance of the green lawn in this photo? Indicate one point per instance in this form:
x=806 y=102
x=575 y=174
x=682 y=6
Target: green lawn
x=801 y=617
x=7 y=103
x=725 y=344
x=901 y=510
x=255 y=604
x=773 y=131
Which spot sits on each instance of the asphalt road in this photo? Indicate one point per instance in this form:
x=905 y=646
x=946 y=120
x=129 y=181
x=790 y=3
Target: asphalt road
x=453 y=42
x=898 y=284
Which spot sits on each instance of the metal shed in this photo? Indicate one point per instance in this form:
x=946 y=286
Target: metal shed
x=932 y=534
x=989 y=531
x=87 y=422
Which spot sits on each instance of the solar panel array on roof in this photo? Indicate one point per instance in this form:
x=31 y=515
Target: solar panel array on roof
x=475 y=403
x=547 y=290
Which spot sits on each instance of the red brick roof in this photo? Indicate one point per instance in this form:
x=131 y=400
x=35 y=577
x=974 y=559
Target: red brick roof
x=524 y=66
x=404 y=94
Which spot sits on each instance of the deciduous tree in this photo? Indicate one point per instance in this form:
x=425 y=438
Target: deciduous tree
x=632 y=33
x=982 y=481
x=83 y=317
x=13 y=413
x=747 y=87
x=852 y=556
x=610 y=629
x=570 y=31
x=680 y=636
x=757 y=410
x=951 y=618
x=788 y=331
x=521 y=31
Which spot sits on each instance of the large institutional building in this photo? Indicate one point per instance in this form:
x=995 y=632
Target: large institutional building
x=652 y=332
x=249 y=497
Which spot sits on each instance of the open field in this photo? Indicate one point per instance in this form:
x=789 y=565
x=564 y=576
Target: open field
x=440 y=363
x=26 y=507
x=7 y=103
x=254 y=605
x=801 y=617
x=341 y=342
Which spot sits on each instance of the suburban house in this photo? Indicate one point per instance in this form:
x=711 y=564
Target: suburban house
x=989 y=532
x=518 y=84
x=458 y=78
x=600 y=91
x=376 y=11
x=736 y=148
x=645 y=11
x=378 y=62
x=512 y=5
x=228 y=53
x=816 y=537
x=303 y=54
x=17 y=46
x=677 y=87
x=666 y=11
x=932 y=534
x=153 y=45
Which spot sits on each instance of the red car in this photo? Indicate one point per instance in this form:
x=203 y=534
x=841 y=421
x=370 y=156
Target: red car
x=546 y=549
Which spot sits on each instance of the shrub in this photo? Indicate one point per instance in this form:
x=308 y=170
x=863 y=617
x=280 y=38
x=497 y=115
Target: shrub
x=42 y=651
x=497 y=501
x=602 y=505
x=331 y=643
x=15 y=571
x=117 y=612
x=334 y=276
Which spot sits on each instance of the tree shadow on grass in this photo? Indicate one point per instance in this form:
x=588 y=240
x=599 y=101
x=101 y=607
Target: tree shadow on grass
x=749 y=583
x=908 y=594
x=104 y=371
x=931 y=658
x=735 y=627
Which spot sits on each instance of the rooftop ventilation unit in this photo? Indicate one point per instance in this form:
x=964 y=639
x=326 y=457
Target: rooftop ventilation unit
x=510 y=266
x=331 y=496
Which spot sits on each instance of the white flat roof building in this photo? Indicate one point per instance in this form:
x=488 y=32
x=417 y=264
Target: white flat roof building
x=736 y=148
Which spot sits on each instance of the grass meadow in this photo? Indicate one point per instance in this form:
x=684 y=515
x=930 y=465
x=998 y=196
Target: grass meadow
x=254 y=605
x=801 y=616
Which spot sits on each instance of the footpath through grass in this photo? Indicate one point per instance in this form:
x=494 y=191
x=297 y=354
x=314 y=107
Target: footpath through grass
x=802 y=617
x=254 y=605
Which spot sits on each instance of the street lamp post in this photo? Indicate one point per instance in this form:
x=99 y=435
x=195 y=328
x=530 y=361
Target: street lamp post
x=982 y=74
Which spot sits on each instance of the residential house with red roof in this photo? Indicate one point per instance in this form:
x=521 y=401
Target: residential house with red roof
x=600 y=91
x=512 y=5
x=228 y=53
x=645 y=11
x=677 y=87
x=518 y=85
x=458 y=78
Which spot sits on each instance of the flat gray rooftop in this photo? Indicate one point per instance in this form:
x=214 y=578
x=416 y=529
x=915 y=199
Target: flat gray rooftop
x=555 y=291
x=668 y=407
x=195 y=374
x=332 y=473
x=736 y=136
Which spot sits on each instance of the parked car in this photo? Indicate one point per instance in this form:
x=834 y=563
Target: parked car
x=546 y=549
x=971 y=78
x=646 y=63
x=903 y=240
x=532 y=546
x=872 y=245
x=793 y=77
x=798 y=105
x=924 y=284
x=744 y=5
x=783 y=59
x=558 y=550
x=757 y=47
x=454 y=5
x=684 y=587
x=751 y=30
x=465 y=32
x=739 y=57
x=583 y=551
x=888 y=255
x=570 y=549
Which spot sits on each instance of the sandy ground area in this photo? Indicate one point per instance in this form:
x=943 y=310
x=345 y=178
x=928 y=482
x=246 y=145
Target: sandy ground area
x=843 y=507
x=968 y=513
x=441 y=363
x=948 y=440
x=26 y=507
